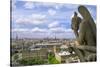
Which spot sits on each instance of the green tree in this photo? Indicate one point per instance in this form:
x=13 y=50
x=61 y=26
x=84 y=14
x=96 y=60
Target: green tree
x=52 y=59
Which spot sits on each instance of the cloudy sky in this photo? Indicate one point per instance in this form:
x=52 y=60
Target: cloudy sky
x=42 y=19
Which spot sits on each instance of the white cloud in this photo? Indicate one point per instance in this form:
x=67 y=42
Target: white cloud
x=20 y=30
x=61 y=29
x=54 y=5
x=29 y=5
x=54 y=24
x=36 y=29
x=44 y=30
x=22 y=20
x=33 y=19
x=69 y=30
x=71 y=6
x=51 y=12
x=38 y=16
x=47 y=4
x=58 y=29
x=58 y=6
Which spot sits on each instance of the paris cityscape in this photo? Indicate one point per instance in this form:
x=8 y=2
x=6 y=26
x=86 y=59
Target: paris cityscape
x=41 y=33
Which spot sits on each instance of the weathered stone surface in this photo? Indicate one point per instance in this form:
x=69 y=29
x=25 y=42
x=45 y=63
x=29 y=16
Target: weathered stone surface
x=87 y=37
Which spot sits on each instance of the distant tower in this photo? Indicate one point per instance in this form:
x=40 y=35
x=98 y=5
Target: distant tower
x=55 y=37
x=16 y=37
